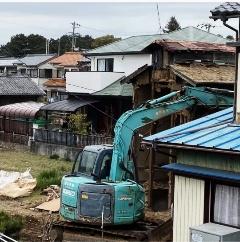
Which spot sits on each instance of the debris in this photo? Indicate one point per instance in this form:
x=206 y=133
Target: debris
x=53 y=205
x=16 y=184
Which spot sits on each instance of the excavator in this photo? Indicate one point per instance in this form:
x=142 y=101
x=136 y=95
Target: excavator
x=103 y=188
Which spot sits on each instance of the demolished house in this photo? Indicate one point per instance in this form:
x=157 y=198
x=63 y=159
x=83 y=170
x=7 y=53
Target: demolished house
x=176 y=64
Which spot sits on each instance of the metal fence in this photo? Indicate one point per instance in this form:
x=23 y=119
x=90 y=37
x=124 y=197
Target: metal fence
x=5 y=238
x=69 y=139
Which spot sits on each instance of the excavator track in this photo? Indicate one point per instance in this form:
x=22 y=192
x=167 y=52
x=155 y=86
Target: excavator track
x=140 y=231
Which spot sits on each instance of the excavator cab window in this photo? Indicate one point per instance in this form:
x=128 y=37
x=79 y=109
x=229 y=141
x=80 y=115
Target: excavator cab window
x=106 y=166
x=86 y=162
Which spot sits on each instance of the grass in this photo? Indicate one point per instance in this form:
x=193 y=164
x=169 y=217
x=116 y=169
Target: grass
x=10 y=225
x=47 y=171
x=20 y=161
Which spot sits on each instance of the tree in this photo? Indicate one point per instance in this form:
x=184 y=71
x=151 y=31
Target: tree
x=20 y=45
x=15 y=47
x=77 y=123
x=172 y=25
x=230 y=37
x=104 y=40
x=84 y=42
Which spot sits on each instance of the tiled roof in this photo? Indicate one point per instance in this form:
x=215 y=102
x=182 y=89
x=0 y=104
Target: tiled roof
x=215 y=131
x=19 y=85
x=198 y=73
x=37 y=59
x=55 y=83
x=7 y=62
x=68 y=59
x=138 y=43
x=116 y=89
x=226 y=10
x=173 y=45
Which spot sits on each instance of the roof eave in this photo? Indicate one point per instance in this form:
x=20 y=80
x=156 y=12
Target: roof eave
x=188 y=147
x=115 y=53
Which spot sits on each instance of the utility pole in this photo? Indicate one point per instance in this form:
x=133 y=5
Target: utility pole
x=208 y=26
x=73 y=34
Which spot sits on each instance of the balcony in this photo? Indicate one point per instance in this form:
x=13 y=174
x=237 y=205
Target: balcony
x=91 y=81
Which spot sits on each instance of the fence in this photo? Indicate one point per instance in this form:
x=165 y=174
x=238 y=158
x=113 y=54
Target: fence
x=14 y=138
x=69 y=139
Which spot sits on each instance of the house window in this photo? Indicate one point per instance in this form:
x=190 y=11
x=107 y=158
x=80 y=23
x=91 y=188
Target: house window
x=226 y=205
x=105 y=65
x=59 y=73
x=32 y=72
x=23 y=71
x=45 y=73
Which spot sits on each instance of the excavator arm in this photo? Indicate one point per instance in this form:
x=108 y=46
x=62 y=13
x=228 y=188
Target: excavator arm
x=153 y=110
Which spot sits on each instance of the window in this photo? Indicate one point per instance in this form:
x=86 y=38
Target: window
x=106 y=166
x=23 y=71
x=226 y=205
x=45 y=73
x=86 y=162
x=32 y=72
x=105 y=65
x=59 y=73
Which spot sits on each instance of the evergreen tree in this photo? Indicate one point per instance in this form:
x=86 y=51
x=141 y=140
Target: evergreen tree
x=230 y=37
x=172 y=25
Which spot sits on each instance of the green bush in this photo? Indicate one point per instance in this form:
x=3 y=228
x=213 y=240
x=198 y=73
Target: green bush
x=49 y=177
x=54 y=156
x=9 y=225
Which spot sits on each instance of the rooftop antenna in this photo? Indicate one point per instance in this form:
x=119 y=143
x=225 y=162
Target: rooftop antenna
x=160 y=28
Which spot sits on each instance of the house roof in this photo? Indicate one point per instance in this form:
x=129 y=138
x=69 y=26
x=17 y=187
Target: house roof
x=130 y=77
x=9 y=62
x=68 y=59
x=55 y=83
x=194 y=34
x=19 y=85
x=21 y=110
x=199 y=73
x=37 y=59
x=216 y=132
x=116 y=89
x=226 y=10
x=136 y=44
x=202 y=171
x=179 y=45
x=69 y=105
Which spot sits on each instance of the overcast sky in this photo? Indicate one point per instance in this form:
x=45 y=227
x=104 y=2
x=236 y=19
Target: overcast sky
x=121 y=19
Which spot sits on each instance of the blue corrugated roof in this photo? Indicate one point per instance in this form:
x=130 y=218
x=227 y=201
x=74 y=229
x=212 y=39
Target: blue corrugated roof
x=215 y=131
x=202 y=171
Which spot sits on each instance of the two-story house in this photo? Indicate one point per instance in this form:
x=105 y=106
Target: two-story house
x=55 y=86
x=8 y=65
x=36 y=66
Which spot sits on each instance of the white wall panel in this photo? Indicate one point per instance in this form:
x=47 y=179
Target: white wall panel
x=188 y=206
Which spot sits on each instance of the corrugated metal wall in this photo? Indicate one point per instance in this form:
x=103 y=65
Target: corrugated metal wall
x=188 y=206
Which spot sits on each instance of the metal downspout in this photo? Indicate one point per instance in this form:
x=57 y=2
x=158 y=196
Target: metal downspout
x=236 y=69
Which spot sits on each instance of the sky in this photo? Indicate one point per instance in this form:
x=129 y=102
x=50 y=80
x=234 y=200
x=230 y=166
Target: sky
x=121 y=19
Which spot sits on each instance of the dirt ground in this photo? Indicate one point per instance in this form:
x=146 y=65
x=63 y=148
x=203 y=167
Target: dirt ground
x=38 y=221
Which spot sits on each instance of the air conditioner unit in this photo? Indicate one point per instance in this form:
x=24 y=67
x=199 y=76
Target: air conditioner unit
x=211 y=232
